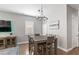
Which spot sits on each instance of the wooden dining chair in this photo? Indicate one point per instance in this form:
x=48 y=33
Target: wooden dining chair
x=37 y=34
x=55 y=46
x=41 y=48
x=49 y=45
x=31 y=45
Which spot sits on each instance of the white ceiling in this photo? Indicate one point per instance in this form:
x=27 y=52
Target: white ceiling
x=26 y=9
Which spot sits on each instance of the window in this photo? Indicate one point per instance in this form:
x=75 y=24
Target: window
x=29 y=27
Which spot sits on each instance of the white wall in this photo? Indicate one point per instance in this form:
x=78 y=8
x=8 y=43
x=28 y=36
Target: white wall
x=18 y=25
x=57 y=12
x=37 y=27
x=29 y=27
x=69 y=27
x=72 y=27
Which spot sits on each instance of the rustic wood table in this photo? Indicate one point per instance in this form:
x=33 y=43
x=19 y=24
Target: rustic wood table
x=41 y=40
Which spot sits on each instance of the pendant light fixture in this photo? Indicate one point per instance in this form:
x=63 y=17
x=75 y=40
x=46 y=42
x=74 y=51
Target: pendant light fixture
x=41 y=17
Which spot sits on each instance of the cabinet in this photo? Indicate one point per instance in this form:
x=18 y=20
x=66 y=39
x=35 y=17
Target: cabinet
x=2 y=43
x=7 y=42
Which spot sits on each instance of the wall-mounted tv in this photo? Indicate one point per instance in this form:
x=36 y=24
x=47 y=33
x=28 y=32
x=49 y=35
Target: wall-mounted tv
x=5 y=26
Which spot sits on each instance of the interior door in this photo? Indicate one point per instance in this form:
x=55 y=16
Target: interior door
x=74 y=31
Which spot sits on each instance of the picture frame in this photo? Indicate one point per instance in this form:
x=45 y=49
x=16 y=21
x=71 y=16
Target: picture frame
x=54 y=25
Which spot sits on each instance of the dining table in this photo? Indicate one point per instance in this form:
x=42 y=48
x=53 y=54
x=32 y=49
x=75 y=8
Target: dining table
x=42 y=41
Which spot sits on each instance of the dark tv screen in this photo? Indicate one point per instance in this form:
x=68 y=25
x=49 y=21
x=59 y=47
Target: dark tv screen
x=5 y=26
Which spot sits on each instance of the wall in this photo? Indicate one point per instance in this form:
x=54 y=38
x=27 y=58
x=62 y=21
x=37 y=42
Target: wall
x=72 y=27
x=38 y=27
x=69 y=28
x=68 y=31
x=18 y=25
x=57 y=12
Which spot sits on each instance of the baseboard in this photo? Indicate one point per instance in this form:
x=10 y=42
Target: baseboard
x=22 y=42
x=65 y=50
x=70 y=49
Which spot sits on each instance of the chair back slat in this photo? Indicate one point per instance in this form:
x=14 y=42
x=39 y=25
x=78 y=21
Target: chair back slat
x=50 y=40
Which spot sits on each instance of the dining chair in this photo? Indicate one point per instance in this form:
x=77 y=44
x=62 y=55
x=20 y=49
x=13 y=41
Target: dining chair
x=41 y=48
x=37 y=34
x=40 y=45
x=55 y=46
x=49 y=45
x=31 y=45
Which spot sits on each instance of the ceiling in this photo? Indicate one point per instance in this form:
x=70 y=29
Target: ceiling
x=26 y=9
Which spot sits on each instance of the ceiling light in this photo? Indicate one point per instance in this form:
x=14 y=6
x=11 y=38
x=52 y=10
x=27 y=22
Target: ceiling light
x=41 y=17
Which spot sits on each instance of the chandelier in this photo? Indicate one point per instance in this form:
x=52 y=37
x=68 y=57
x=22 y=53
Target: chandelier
x=41 y=17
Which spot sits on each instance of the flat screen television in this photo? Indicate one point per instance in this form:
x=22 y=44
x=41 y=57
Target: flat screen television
x=5 y=26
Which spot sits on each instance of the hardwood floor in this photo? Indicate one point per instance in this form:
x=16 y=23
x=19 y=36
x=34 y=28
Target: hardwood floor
x=75 y=51
x=24 y=50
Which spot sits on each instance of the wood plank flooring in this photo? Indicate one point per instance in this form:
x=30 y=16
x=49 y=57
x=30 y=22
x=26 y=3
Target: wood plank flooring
x=24 y=50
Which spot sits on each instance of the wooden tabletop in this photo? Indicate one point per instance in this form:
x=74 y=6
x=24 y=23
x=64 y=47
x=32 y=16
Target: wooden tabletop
x=39 y=38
